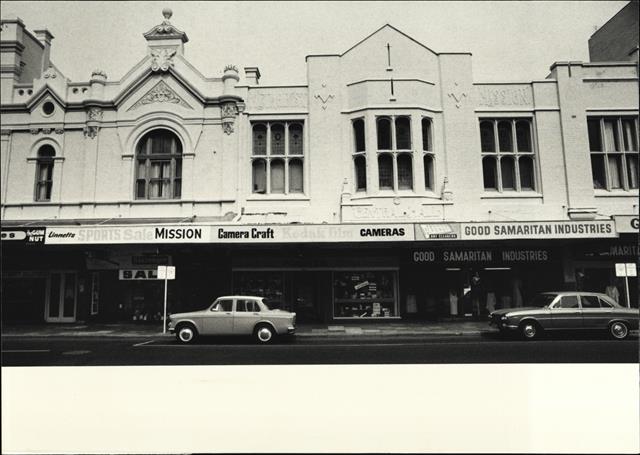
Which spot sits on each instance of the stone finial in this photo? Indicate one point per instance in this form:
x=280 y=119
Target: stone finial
x=167 y=13
x=99 y=73
x=231 y=68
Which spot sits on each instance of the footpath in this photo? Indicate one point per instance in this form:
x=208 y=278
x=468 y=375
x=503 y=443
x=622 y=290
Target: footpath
x=369 y=329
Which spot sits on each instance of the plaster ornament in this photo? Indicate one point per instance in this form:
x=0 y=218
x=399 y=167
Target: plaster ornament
x=229 y=110
x=324 y=98
x=457 y=97
x=59 y=130
x=91 y=131
x=94 y=113
x=227 y=127
x=162 y=59
x=160 y=93
x=50 y=73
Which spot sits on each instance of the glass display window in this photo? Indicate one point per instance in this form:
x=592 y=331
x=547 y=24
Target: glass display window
x=269 y=285
x=365 y=294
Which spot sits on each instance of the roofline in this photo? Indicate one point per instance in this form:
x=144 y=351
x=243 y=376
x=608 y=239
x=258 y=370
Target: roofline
x=611 y=18
x=391 y=26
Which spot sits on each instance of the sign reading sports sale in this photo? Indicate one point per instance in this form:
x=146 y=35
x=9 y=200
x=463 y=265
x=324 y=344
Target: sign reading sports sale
x=229 y=234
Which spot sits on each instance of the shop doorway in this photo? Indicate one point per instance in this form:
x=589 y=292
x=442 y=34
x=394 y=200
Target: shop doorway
x=304 y=296
x=61 y=297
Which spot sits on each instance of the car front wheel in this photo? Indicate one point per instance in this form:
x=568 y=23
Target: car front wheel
x=264 y=334
x=530 y=330
x=186 y=333
x=619 y=330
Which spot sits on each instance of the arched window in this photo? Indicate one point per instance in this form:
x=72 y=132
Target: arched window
x=259 y=139
x=358 y=134
x=385 y=171
x=277 y=176
x=159 y=166
x=295 y=139
x=259 y=172
x=360 y=164
x=295 y=176
x=277 y=139
x=403 y=133
x=405 y=172
x=487 y=139
x=504 y=136
x=44 y=173
x=384 y=133
x=523 y=136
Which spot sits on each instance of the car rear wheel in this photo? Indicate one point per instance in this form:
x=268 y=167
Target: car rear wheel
x=186 y=333
x=264 y=334
x=530 y=330
x=619 y=330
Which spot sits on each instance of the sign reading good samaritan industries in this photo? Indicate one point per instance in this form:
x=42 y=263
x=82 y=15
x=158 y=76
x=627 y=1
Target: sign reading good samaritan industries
x=538 y=230
x=229 y=234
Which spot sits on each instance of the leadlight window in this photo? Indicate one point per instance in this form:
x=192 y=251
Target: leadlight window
x=508 y=158
x=359 y=154
x=395 y=157
x=277 y=157
x=44 y=173
x=613 y=145
x=428 y=157
x=159 y=166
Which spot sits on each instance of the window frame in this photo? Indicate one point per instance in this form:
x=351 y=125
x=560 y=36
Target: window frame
x=49 y=162
x=394 y=152
x=359 y=154
x=497 y=155
x=287 y=157
x=430 y=153
x=609 y=151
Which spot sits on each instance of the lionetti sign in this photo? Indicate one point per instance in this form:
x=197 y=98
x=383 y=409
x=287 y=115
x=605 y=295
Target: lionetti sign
x=230 y=234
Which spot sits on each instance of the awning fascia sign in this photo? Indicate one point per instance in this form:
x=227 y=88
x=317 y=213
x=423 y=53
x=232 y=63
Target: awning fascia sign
x=228 y=234
x=627 y=224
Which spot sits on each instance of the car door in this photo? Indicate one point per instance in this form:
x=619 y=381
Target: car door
x=593 y=315
x=245 y=316
x=566 y=313
x=219 y=319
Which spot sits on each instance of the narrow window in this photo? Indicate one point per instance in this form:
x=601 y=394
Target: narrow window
x=385 y=171
x=595 y=140
x=428 y=172
x=632 y=170
x=598 y=171
x=44 y=173
x=403 y=133
x=360 y=164
x=504 y=136
x=526 y=173
x=295 y=176
x=384 y=133
x=523 y=136
x=612 y=141
x=489 y=173
x=259 y=171
x=277 y=176
x=487 y=139
x=405 y=172
x=295 y=139
x=508 y=173
x=615 y=170
x=426 y=134
x=277 y=139
x=358 y=134
x=259 y=139
x=629 y=136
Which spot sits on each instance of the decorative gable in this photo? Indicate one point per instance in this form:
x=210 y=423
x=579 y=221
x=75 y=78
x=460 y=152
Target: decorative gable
x=160 y=93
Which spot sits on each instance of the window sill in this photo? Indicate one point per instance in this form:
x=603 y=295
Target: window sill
x=400 y=195
x=278 y=197
x=511 y=195
x=616 y=193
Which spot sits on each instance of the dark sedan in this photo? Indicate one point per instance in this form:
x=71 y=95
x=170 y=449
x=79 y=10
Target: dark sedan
x=567 y=311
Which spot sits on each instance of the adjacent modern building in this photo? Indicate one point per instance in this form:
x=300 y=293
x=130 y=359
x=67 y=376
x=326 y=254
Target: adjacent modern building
x=391 y=185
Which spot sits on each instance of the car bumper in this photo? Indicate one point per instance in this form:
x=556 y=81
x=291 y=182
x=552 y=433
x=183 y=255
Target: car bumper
x=291 y=330
x=502 y=326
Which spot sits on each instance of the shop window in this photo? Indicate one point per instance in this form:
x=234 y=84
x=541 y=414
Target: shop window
x=273 y=171
x=44 y=173
x=613 y=146
x=269 y=285
x=384 y=133
x=159 y=166
x=385 y=171
x=403 y=133
x=364 y=294
x=405 y=172
x=360 y=164
x=507 y=146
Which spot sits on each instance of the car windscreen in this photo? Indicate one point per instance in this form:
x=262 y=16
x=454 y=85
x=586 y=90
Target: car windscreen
x=265 y=305
x=542 y=300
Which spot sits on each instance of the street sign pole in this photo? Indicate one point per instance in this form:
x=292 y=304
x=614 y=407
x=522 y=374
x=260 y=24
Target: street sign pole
x=164 y=317
x=626 y=285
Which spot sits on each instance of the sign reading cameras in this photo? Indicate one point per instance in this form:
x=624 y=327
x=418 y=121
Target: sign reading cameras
x=229 y=234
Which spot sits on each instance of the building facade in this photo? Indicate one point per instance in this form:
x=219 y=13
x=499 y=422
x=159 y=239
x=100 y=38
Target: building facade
x=390 y=186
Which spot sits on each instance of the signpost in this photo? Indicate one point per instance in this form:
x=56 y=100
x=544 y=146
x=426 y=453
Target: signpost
x=626 y=270
x=166 y=272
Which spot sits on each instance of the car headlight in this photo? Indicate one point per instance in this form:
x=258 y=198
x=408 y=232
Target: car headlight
x=504 y=318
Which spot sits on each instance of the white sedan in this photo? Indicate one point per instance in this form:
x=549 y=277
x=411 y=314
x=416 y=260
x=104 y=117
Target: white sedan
x=233 y=315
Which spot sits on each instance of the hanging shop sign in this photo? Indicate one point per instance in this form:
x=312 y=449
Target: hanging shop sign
x=480 y=255
x=538 y=230
x=627 y=224
x=140 y=274
x=35 y=235
x=230 y=234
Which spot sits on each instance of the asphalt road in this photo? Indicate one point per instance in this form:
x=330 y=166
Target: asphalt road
x=485 y=348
